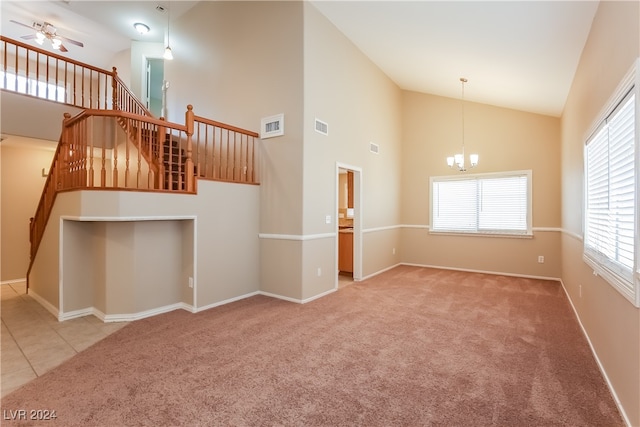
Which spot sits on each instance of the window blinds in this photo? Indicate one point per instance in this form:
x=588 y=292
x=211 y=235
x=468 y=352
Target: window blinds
x=610 y=194
x=492 y=204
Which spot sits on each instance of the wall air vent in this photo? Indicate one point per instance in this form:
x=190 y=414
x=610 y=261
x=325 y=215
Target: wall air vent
x=272 y=126
x=322 y=127
x=374 y=148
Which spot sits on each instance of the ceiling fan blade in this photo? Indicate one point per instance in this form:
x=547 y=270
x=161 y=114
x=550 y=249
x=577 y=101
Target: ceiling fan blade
x=77 y=43
x=63 y=49
x=24 y=25
x=28 y=37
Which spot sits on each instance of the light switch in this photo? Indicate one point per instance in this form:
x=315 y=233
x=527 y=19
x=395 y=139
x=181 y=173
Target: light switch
x=327 y=219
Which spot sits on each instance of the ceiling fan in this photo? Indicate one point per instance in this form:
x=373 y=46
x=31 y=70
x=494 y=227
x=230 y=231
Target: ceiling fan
x=45 y=31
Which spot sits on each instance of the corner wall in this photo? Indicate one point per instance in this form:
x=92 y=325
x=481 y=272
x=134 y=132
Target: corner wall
x=611 y=322
x=506 y=140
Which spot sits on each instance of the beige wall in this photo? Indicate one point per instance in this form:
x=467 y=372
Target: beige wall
x=360 y=104
x=611 y=322
x=506 y=140
x=22 y=162
x=245 y=60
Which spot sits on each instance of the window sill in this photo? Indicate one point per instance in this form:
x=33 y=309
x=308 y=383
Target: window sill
x=480 y=234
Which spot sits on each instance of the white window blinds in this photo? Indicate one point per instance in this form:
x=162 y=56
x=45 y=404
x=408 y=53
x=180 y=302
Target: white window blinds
x=484 y=204
x=610 y=217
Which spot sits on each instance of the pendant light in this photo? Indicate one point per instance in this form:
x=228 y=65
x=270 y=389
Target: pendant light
x=457 y=160
x=168 y=54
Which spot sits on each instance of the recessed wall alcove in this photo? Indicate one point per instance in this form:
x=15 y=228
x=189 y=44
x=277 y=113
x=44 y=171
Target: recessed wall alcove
x=126 y=269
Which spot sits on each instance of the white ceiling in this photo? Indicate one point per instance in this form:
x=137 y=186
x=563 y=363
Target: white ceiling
x=515 y=54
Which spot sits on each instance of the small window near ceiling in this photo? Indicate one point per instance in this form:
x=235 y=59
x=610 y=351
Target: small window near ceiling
x=482 y=204
x=611 y=185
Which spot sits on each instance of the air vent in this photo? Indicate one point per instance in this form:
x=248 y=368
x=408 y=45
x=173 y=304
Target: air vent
x=322 y=127
x=272 y=126
x=374 y=148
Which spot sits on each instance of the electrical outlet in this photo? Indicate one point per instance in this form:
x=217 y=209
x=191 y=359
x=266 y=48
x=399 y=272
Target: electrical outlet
x=319 y=272
x=191 y=282
x=393 y=251
x=541 y=259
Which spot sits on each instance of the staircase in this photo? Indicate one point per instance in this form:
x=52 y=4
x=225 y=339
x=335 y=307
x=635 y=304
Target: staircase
x=113 y=142
x=173 y=161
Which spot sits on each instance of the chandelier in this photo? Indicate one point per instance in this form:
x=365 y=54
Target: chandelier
x=457 y=160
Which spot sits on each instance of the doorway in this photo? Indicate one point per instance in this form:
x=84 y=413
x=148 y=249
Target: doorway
x=349 y=224
x=155 y=86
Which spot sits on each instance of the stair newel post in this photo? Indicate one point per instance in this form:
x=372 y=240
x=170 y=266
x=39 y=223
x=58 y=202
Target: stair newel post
x=114 y=87
x=189 y=172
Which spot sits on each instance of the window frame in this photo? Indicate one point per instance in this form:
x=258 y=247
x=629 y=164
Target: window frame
x=528 y=233
x=626 y=283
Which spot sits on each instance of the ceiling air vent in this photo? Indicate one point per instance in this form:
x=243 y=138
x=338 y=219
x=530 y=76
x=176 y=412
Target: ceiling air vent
x=374 y=148
x=322 y=127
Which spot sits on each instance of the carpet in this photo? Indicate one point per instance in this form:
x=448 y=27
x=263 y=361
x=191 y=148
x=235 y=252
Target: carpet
x=410 y=347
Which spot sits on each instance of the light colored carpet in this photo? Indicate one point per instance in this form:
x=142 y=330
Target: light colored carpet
x=410 y=347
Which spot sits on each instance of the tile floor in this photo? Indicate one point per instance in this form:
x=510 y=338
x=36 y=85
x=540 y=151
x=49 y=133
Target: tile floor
x=33 y=341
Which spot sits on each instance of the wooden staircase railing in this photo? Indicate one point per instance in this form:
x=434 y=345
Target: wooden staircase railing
x=116 y=143
x=94 y=153
x=224 y=153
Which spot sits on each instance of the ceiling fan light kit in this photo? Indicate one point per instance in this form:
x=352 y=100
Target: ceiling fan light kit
x=44 y=31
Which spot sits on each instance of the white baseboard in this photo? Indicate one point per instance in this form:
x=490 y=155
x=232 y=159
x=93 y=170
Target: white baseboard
x=11 y=282
x=125 y=317
x=282 y=297
x=496 y=273
x=595 y=355
x=227 y=301
x=46 y=304
x=381 y=271
x=315 y=297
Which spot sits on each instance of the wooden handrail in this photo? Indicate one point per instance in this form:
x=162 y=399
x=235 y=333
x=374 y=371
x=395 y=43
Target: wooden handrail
x=52 y=55
x=225 y=126
x=121 y=114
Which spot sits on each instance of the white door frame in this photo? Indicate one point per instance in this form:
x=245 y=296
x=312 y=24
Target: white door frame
x=357 y=218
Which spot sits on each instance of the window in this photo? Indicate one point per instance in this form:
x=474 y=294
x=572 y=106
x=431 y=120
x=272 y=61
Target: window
x=31 y=87
x=497 y=203
x=611 y=182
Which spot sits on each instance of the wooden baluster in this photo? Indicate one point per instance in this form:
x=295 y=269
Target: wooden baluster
x=159 y=143
x=115 y=156
x=140 y=148
x=114 y=92
x=82 y=153
x=74 y=85
x=235 y=146
x=126 y=156
x=90 y=135
x=103 y=170
x=57 y=80
x=189 y=175
x=246 y=160
x=82 y=87
x=226 y=171
x=66 y=82
x=90 y=88
x=37 y=79
x=47 y=77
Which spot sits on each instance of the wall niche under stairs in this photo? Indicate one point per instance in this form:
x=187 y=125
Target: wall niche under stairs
x=124 y=270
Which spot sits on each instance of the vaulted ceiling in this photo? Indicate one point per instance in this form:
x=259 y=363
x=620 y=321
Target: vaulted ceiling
x=515 y=54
